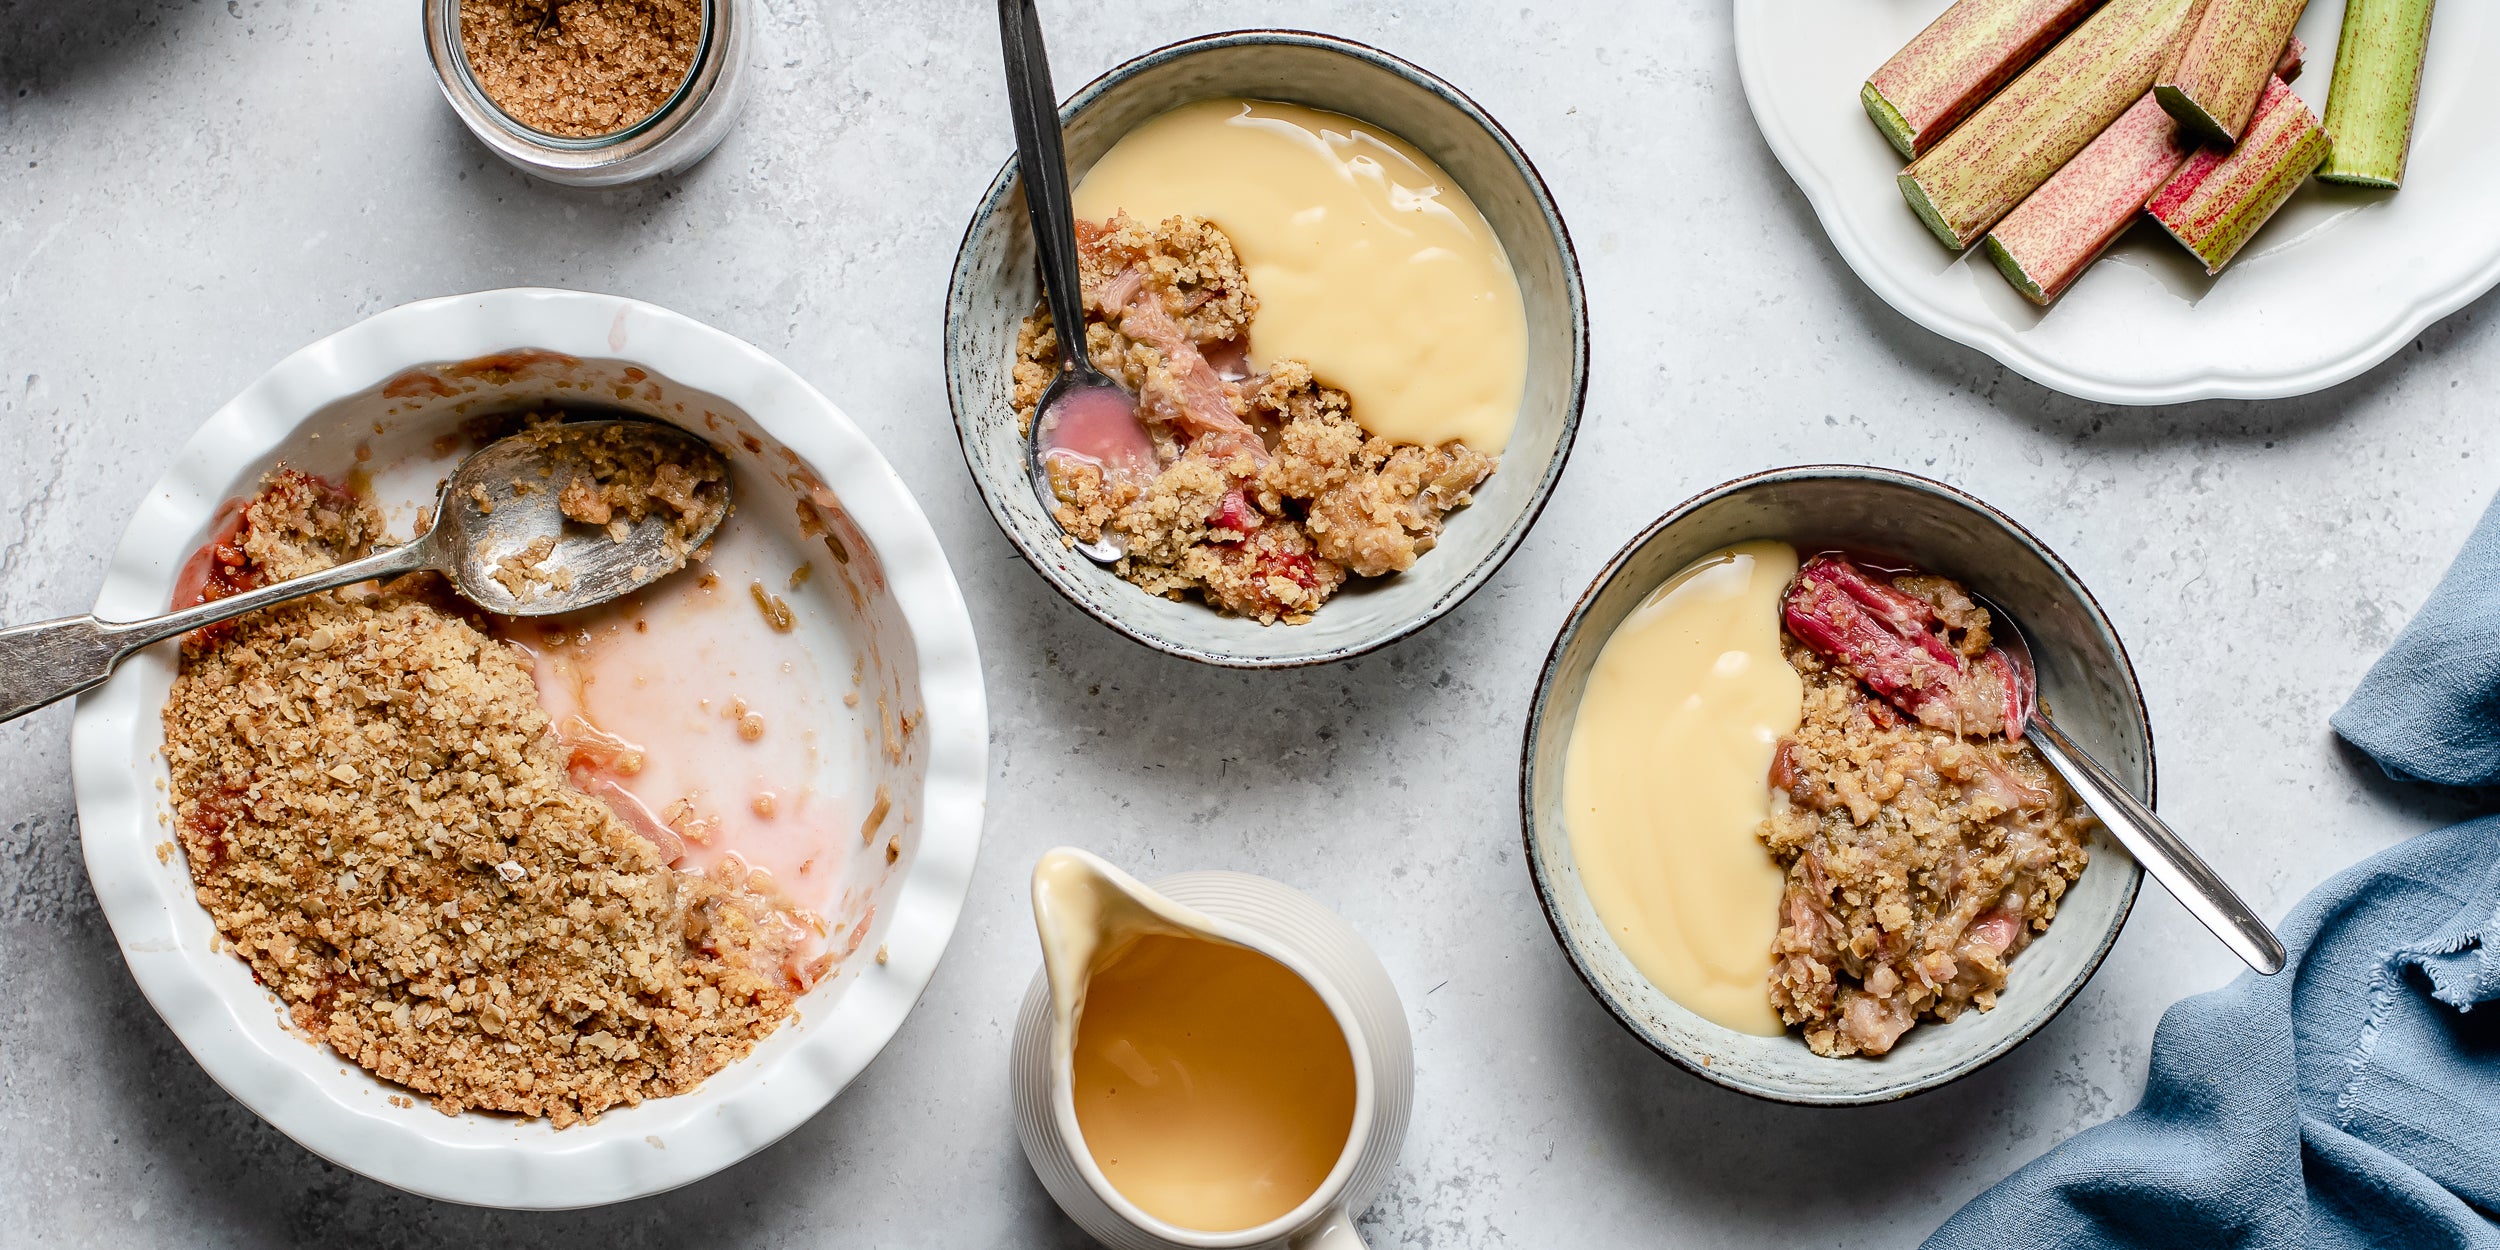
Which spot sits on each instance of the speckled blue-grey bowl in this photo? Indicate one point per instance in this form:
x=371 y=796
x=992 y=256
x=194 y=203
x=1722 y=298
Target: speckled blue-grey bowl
x=995 y=284
x=2084 y=676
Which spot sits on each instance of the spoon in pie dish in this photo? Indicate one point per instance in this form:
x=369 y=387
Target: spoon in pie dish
x=1085 y=417
x=2162 y=852
x=530 y=525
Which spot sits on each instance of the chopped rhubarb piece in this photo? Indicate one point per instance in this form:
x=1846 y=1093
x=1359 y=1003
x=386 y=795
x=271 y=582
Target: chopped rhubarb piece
x=2215 y=80
x=2377 y=85
x=1849 y=615
x=2043 y=246
x=2218 y=200
x=2029 y=130
x=1235 y=513
x=1953 y=66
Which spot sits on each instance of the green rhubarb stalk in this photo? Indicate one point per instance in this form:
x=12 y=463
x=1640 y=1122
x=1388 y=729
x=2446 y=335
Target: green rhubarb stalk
x=2212 y=86
x=2044 y=245
x=2027 y=131
x=2218 y=200
x=1962 y=57
x=2378 y=81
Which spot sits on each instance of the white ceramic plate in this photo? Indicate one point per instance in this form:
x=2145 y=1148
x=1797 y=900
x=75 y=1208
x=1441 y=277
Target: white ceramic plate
x=893 y=602
x=2337 y=282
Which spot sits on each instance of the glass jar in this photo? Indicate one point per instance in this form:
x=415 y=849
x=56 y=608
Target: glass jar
x=682 y=131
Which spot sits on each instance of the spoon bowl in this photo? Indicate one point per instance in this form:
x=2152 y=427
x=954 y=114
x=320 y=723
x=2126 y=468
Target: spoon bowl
x=507 y=497
x=1087 y=416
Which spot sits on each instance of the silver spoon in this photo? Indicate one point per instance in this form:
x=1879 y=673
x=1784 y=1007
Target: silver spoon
x=1081 y=393
x=53 y=660
x=2163 y=853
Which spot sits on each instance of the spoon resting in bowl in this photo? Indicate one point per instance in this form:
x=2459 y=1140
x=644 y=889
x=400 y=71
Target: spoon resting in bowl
x=2146 y=836
x=521 y=528
x=1882 y=636
x=1085 y=416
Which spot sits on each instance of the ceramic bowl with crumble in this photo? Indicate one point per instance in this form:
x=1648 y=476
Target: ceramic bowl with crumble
x=1354 y=322
x=540 y=912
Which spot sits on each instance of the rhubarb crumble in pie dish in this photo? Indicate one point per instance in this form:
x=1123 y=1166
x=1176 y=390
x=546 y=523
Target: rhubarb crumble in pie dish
x=384 y=822
x=535 y=912
x=1269 y=493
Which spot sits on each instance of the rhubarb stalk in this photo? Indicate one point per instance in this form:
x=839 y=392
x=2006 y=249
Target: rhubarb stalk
x=2029 y=130
x=2047 y=243
x=2214 y=82
x=2378 y=81
x=2044 y=245
x=1936 y=79
x=2218 y=200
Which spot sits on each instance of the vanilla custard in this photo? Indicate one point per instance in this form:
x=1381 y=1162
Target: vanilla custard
x=1212 y=1085
x=1664 y=782
x=1370 y=264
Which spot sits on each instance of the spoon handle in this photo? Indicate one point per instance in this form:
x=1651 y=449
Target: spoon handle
x=49 y=661
x=1042 y=162
x=2179 y=869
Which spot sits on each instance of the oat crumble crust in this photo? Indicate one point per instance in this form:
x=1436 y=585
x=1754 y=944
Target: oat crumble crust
x=1271 y=540
x=597 y=68
x=380 y=823
x=1918 y=862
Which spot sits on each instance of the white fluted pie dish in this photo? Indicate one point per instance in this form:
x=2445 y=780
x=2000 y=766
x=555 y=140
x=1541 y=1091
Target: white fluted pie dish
x=393 y=384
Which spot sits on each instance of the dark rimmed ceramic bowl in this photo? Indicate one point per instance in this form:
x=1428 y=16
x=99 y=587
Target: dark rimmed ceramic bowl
x=995 y=284
x=2084 y=675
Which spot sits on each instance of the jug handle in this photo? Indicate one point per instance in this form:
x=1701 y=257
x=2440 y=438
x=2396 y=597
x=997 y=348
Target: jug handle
x=1336 y=1232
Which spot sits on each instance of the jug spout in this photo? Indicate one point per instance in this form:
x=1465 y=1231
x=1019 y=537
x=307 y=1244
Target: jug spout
x=1085 y=910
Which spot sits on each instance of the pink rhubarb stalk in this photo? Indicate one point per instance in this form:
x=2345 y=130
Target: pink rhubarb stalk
x=2218 y=200
x=2378 y=83
x=2029 y=130
x=2044 y=245
x=1962 y=57
x=2047 y=243
x=2214 y=83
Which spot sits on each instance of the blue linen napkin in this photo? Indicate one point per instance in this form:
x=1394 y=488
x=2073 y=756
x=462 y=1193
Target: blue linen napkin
x=2353 y=1099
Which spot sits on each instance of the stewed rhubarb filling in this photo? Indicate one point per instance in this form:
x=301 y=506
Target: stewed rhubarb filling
x=1267 y=493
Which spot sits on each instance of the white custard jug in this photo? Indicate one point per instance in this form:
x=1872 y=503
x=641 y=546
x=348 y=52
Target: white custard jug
x=1088 y=913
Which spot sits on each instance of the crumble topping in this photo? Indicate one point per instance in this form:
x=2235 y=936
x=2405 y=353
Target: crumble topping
x=379 y=821
x=1270 y=492
x=1920 y=860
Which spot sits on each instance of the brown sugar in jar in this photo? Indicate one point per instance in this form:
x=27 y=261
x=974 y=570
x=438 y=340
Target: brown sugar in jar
x=580 y=68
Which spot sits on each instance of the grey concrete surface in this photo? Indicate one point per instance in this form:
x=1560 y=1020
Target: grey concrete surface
x=190 y=190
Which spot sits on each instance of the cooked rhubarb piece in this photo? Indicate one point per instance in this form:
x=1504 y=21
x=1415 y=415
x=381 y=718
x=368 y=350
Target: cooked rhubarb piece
x=1943 y=674
x=2378 y=82
x=2029 y=130
x=1936 y=79
x=2220 y=73
x=2043 y=246
x=2218 y=200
